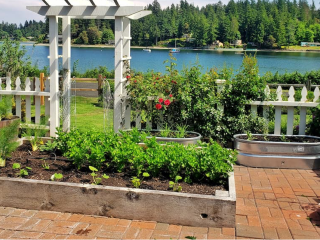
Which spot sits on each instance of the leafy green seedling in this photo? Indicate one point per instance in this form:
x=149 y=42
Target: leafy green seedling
x=182 y=131
x=16 y=166
x=45 y=165
x=165 y=132
x=174 y=185
x=136 y=182
x=23 y=171
x=283 y=138
x=56 y=176
x=96 y=180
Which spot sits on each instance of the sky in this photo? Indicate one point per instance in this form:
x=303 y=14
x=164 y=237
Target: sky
x=14 y=11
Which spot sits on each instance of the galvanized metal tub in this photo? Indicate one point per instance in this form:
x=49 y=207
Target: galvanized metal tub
x=267 y=154
x=184 y=141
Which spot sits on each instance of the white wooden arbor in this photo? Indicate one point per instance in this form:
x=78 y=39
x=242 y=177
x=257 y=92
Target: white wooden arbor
x=122 y=12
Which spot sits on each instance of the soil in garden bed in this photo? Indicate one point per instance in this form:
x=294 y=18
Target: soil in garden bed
x=281 y=139
x=59 y=164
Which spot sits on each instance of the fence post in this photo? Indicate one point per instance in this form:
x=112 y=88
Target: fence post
x=220 y=83
x=100 y=86
x=42 y=88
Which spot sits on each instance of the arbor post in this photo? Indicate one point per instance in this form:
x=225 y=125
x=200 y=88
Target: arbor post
x=54 y=74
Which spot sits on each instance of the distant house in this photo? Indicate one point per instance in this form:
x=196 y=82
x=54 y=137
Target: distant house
x=237 y=42
x=217 y=43
x=310 y=44
x=188 y=37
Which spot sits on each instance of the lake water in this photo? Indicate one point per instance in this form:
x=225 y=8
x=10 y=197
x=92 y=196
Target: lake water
x=89 y=58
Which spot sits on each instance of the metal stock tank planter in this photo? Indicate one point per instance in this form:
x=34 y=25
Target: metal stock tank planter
x=275 y=151
x=190 y=138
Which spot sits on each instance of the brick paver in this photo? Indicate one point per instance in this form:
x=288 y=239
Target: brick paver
x=271 y=204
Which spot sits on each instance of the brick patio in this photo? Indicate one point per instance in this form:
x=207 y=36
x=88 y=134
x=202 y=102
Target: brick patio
x=271 y=204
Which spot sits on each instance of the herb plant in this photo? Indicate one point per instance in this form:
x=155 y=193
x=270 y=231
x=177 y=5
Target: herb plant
x=174 y=185
x=8 y=142
x=23 y=171
x=136 y=182
x=45 y=165
x=56 y=176
x=96 y=180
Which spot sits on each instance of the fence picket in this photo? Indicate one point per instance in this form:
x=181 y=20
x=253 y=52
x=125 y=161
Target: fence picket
x=28 y=85
x=37 y=107
x=254 y=110
x=303 y=120
x=279 y=93
x=266 y=114
x=316 y=94
x=290 y=113
x=291 y=94
x=8 y=82
x=304 y=94
x=277 y=120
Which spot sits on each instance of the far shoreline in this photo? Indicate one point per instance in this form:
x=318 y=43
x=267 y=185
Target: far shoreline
x=193 y=49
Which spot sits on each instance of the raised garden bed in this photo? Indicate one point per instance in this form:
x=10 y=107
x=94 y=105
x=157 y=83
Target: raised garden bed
x=272 y=151
x=79 y=196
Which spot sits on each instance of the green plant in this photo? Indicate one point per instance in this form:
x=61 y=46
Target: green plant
x=23 y=171
x=191 y=237
x=96 y=180
x=265 y=137
x=34 y=134
x=5 y=107
x=283 y=138
x=249 y=135
x=13 y=60
x=45 y=165
x=174 y=185
x=135 y=182
x=8 y=142
x=165 y=132
x=182 y=131
x=56 y=176
x=49 y=146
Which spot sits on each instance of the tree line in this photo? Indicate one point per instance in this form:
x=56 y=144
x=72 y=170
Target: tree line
x=267 y=24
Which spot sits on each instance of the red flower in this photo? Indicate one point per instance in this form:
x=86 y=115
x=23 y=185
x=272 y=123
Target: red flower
x=174 y=82
x=167 y=102
x=160 y=100
x=158 y=106
x=128 y=77
x=157 y=78
x=135 y=81
x=170 y=95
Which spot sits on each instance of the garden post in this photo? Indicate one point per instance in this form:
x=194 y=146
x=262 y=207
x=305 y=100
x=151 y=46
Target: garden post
x=66 y=53
x=54 y=75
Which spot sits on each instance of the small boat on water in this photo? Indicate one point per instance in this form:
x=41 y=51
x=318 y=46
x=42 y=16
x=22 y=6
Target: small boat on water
x=147 y=49
x=175 y=49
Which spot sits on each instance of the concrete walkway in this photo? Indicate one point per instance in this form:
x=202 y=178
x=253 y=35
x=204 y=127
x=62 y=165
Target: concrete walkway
x=271 y=204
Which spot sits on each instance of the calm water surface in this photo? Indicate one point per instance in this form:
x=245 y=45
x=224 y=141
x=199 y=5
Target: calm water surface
x=89 y=58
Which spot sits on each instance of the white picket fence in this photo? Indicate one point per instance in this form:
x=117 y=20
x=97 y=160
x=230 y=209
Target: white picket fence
x=291 y=104
x=24 y=95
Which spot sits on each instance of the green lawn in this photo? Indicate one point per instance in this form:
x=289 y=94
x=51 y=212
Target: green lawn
x=284 y=123
x=89 y=115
